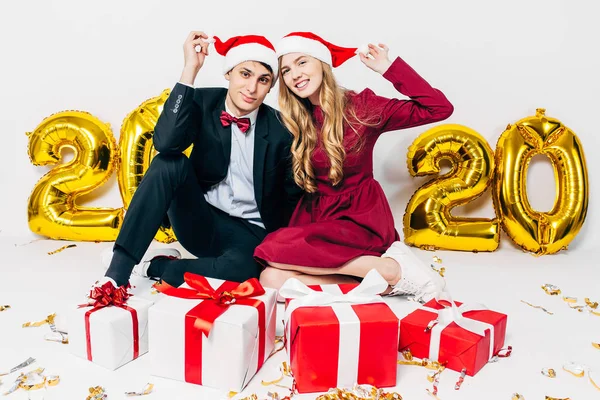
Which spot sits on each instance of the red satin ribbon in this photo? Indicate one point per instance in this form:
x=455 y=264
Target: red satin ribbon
x=106 y=296
x=200 y=319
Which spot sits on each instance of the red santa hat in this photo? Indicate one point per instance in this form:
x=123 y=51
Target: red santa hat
x=317 y=47
x=246 y=48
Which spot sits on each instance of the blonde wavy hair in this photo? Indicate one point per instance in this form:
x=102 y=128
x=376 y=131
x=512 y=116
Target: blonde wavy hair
x=297 y=117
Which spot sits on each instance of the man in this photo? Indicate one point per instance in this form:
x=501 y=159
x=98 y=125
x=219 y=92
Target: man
x=236 y=185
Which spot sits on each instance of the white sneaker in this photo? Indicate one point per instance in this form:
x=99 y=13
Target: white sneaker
x=418 y=279
x=141 y=269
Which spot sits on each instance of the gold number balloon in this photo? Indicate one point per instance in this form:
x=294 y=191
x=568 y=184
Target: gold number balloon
x=536 y=231
x=427 y=220
x=52 y=211
x=137 y=151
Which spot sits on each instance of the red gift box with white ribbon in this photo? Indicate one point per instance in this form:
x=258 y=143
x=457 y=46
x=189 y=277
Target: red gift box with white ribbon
x=340 y=335
x=455 y=334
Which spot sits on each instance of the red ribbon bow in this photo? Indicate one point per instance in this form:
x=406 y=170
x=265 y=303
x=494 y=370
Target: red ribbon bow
x=228 y=119
x=105 y=296
x=201 y=318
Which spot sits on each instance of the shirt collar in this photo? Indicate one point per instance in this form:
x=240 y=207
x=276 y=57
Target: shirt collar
x=252 y=115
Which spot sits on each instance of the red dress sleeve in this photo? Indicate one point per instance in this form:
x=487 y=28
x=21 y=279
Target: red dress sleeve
x=426 y=104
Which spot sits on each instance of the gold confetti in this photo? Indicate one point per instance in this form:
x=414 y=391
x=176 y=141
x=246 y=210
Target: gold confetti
x=549 y=372
x=576 y=307
x=147 y=390
x=517 y=396
x=437 y=259
x=359 y=392
x=48 y=320
x=593 y=379
x=556 y=398
x=231 y=394
x=596 y=345
x=574 y=369
x=97 y=393
x=61 y=249
x=590 y=304
x=540 y=307
x=441 y=270
x=570 y=299
x=4 y=308
x=552 y=290
x=251 y=397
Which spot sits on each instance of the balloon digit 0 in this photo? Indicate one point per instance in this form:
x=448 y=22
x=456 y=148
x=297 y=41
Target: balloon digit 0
x=536 y=231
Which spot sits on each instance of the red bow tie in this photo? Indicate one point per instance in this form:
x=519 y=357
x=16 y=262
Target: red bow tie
x=228 y=119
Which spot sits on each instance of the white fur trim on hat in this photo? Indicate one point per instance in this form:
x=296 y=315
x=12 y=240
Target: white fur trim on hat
x=298 y=44
x=251 y=52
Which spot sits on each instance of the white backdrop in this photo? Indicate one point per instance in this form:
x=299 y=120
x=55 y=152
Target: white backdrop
x=496 y=62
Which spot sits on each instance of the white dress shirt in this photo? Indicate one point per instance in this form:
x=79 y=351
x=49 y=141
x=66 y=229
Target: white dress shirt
x=235 y=194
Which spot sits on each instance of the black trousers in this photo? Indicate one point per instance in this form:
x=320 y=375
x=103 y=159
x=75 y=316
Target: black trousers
x=224 y=245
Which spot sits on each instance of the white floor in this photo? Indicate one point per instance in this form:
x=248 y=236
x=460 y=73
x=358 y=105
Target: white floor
x=36 y=284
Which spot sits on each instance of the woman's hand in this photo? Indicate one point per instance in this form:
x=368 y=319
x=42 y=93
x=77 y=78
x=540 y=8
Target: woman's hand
x=377 y=58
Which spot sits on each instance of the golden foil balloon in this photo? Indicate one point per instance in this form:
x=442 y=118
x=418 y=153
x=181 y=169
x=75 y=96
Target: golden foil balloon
x=137 y=151
x=428 y=222
x=537 y=231
x=52 y=211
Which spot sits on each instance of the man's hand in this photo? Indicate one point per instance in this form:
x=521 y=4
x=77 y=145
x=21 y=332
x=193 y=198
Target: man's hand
x=193 y=60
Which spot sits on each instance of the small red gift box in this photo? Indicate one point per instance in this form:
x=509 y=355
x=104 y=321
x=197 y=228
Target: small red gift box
x=340 y=335
x=463 y=336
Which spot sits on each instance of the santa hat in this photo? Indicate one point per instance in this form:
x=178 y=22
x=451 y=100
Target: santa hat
x=246 y=48
x=317 y=47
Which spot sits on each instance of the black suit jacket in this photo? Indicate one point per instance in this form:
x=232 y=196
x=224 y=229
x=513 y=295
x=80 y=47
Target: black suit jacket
x=191 y=116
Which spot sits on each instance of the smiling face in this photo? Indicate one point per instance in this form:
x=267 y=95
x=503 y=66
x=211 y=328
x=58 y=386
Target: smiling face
x=303 y=75
x=249 y=84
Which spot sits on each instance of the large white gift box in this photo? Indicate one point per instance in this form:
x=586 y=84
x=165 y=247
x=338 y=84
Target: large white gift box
x=219 y=336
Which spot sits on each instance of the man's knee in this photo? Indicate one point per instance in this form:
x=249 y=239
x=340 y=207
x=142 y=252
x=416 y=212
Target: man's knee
x=171 y=166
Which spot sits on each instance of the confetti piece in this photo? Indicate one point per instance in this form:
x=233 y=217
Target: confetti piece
x=591 y=304
x=570 y=299
x=58 y=337
x=517 y=396
x=61 y=249
x=593 y=379
x=596 y=345
x=49 y=320
x=461 y=379
x=97 y=393
x=549 y=372
x=437 y=259
x=24 y=364
x=147 y=390
x=440 y=270
x=552 y=290
x=574 y=369
x=4 y=308
x=540 y=307
x=556 y=398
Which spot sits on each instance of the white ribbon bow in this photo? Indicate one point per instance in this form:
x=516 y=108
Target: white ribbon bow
x=366 y=292
x=447 y=315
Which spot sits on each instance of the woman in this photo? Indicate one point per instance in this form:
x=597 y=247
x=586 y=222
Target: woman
x=343 y=226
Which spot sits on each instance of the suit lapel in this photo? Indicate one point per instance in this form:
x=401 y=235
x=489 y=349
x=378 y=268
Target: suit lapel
x=223 y=132
x=261 y=130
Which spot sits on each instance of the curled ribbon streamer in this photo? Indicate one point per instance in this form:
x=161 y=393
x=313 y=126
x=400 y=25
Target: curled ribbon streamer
x=451 y=314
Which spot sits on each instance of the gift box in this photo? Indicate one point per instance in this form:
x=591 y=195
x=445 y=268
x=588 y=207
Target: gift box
x=211 y=332
x=460 y=335
x=111 y=330
x=340 y=335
